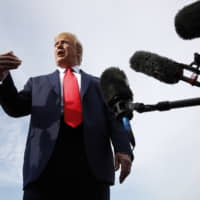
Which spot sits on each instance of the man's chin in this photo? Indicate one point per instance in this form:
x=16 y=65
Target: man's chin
x=61 y=63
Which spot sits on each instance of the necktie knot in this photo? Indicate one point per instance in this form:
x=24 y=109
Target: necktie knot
x=68 y=70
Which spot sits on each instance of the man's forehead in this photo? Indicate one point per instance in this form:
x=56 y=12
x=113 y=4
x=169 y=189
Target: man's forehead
x=67 y=37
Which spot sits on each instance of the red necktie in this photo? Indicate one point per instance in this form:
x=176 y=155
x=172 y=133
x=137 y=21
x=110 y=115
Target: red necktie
x=72 y=100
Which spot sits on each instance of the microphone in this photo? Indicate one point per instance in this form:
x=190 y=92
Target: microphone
x=187 y=21
x=118 y=97
x=164 y=69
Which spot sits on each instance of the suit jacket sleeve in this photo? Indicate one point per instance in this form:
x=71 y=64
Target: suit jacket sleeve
x=14 y=103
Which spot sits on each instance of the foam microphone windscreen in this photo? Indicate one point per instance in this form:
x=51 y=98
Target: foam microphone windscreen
x=156 y=66
x=187 y=21
x=114 y=85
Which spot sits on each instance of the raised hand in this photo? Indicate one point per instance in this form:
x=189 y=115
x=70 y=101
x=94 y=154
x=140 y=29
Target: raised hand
x=9 y=61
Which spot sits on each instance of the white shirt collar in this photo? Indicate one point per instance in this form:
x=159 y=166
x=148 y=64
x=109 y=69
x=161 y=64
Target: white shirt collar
x=76 y=69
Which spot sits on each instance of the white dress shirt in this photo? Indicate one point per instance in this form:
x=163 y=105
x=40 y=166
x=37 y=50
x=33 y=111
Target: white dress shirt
x=76 y=72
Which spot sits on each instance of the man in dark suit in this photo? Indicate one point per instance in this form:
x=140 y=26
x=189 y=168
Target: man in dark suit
x=68 y=152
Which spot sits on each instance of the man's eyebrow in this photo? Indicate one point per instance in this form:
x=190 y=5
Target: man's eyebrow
x=67 y=41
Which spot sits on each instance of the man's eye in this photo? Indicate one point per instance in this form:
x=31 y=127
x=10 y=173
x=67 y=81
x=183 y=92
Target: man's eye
x=66 y=42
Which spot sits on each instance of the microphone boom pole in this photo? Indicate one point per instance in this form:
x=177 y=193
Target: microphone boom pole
x=165 y=105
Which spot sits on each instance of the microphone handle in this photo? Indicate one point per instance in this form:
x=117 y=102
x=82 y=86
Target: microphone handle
x=127 y=127
x=190 y=81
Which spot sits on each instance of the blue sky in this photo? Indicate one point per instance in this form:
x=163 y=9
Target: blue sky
x=167 y=162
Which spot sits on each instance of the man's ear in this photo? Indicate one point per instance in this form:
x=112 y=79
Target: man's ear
x=79 y=52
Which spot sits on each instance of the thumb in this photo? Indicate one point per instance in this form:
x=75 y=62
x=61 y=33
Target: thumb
x=9 y=53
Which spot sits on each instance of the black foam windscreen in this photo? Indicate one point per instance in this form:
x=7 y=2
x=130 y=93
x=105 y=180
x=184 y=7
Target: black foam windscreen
x=187 y=21
x=115 y=85
x=156 y=66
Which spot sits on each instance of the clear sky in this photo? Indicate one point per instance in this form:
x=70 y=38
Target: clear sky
x=167 y=164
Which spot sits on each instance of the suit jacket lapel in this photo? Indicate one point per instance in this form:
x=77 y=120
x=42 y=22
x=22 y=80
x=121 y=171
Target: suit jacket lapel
x=55 y=82
x=85 y=82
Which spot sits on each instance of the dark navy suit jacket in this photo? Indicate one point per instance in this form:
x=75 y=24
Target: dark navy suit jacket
x=42 y=99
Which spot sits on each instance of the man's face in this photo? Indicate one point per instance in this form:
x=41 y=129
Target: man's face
x=65 y=51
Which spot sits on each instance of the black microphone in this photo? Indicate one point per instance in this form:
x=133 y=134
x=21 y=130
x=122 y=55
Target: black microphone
x=118 y=97
x=187 y=21
x=162 y=68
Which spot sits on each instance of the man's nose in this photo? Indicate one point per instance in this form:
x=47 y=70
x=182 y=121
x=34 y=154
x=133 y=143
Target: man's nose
x=60 y=46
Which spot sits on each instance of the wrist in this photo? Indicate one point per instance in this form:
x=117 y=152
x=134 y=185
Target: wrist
x=3 y=75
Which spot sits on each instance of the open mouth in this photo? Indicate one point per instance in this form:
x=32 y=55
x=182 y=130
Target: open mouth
x=60 y=53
